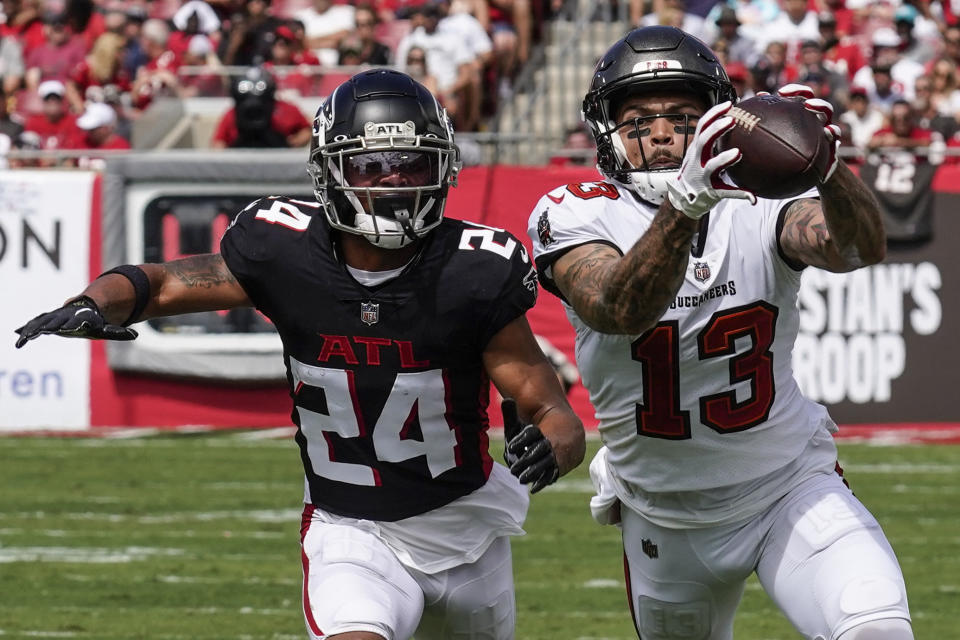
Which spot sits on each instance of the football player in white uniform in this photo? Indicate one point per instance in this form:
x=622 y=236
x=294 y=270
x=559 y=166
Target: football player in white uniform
x=394 y=319
x=682 y=289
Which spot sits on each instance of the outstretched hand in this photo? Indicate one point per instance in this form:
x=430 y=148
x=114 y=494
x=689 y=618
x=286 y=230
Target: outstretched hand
x=528 y=453
x=79 y=318
x=700 y=185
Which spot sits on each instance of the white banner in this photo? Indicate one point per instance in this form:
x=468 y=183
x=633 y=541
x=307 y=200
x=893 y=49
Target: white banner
x=44 y=259
x=855 y=328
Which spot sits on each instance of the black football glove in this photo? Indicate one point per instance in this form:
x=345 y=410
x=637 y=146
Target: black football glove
x=528 y=453
x=80 y=318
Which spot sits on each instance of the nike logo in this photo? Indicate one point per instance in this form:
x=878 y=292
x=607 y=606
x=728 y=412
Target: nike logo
x=555 y=199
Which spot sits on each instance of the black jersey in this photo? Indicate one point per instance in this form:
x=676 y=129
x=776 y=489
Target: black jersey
x=389 y=390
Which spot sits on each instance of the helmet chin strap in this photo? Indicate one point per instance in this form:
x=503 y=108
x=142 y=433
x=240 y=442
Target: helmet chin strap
x=403 y=217
x=652 y=185
x=649 y=185
x=370 y=228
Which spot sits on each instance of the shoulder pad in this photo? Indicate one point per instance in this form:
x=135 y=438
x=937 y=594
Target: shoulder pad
x=571 y=214
x=499 y=257
x=261 y=230
x=499 y=277
x=579 y=198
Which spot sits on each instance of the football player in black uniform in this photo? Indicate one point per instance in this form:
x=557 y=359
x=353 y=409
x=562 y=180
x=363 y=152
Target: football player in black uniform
x=393 y=320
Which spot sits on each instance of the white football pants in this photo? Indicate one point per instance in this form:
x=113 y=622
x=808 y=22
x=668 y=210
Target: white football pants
x=354 y=582
x=818 y=552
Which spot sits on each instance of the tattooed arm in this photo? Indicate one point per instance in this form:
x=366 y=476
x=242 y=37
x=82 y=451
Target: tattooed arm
x=198 y=283
x=628 y=294
x=840 y=232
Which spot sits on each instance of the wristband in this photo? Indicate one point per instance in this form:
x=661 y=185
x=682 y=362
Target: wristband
x=141 y=288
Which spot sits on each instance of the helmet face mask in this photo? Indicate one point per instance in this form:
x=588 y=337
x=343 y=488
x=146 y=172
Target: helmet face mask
x=649 y=61
x=383 y=158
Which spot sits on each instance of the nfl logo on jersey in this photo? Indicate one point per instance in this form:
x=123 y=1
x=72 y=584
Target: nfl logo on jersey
x=701 y=271
x=370 y=312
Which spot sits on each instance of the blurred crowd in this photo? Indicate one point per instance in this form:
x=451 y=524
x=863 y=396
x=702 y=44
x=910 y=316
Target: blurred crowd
x=76 y=74
x=889 y=68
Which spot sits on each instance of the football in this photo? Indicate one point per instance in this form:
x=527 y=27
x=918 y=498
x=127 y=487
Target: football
x=784 y=149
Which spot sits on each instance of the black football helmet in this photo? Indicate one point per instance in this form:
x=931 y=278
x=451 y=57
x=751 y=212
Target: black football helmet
x=382 y=158
x=649 y=59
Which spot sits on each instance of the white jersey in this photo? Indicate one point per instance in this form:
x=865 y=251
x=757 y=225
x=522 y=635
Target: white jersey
x=706 y=399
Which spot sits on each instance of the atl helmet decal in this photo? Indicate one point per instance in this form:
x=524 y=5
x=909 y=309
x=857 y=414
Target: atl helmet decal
x=370 y=312
x=701 y=271
x=543 y=229
x=381 y=129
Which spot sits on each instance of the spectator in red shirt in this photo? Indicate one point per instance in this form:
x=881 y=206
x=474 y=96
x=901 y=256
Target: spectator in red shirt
x=22 y=23
x=159 y=75
x=60 y=52
x=55 y=125
x=903 y=131
x=579 y=149
x=845 y=20
x=211 y=81
x=841 y=52
x=84 y=21
x=95 y=132
x=258 y=119
x=772 y=70
x=283 y=54
x=301 y=52
x=741 y=78
x=193 y=18
x=102 y=67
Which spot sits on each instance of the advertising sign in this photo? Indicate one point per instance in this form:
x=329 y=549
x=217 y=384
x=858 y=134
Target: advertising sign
x=44 y=259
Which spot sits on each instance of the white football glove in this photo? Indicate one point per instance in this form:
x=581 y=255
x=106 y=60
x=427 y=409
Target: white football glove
x=699 y=186
x=823 y=109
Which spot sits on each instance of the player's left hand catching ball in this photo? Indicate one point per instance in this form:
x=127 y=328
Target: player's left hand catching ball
x=700 y=185
x=823 y=109
x=78 y=318
x=528 y=453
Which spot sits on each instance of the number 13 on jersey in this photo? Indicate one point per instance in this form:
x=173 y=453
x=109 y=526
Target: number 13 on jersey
x=658 y=352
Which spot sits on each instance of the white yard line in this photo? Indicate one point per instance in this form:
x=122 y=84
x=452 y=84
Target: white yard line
x=603 y=583
x=225 y=580
x=41 y=634
x=900 y=468
x=83 y=554
x=266 y=434
x=255 y=515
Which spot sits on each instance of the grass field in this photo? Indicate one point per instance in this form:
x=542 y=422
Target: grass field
x=196 y=537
